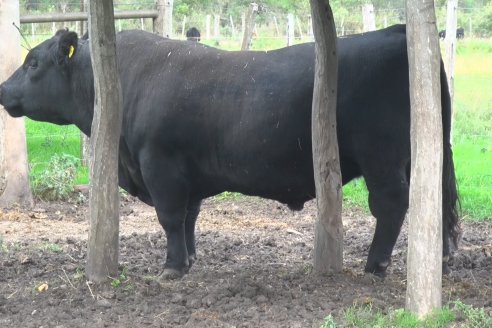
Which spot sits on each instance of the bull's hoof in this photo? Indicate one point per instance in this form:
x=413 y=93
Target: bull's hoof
x=171 y=274
x=377 y=269
x=191 y=260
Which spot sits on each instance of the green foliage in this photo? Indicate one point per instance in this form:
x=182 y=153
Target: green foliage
x=227 y=195
x=122 y=278
x=329 y=322
x=366 y=316
x=3 y=245
x=57 y=181
x=51 y=247
x=472 y=317
x=484 y=25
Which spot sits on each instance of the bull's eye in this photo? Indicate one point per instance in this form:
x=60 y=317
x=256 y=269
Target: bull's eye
x=33 y=63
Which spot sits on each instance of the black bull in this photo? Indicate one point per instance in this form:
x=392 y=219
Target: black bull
x=199 y=121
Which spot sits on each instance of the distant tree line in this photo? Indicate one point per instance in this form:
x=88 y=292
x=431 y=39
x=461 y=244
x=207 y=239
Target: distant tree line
x=474 y=15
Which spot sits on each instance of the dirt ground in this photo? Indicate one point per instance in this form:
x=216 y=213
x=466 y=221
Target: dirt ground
x=253 y=269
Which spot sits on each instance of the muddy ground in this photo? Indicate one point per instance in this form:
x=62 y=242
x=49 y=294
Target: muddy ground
x=253 y=269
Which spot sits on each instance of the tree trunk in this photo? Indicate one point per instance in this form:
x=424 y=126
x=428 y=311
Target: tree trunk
x=14 y=172
x=102 y=255
x=328 y=239
x=424 y=259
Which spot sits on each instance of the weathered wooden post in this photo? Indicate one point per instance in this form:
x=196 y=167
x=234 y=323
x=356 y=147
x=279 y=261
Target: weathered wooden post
x=207 y=26
x=290 y=30
x=102 y=253
x=368 y=17
x=450 y=42
x=276 y=26
x=216 y=26
x=233 y=28
x=14 y=172
x=424 y=259
x=328 y=238
x=163 y=24
x=183 y=27
x=249 y=26
x=299 y=28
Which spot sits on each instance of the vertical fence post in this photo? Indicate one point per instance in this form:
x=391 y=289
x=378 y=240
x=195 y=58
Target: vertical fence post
x=216 y=26
x=301 y=35
x=183 y=27
x=233 y=29
x=290 y=29
x=368 y=17
x=243 y=23
x=207 y=27
x=163 y=24
x=310 y=28
x=249 y=26
x=276 y=26
x=450 y=41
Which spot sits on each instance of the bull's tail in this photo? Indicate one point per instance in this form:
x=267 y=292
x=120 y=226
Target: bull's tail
x=450 y=200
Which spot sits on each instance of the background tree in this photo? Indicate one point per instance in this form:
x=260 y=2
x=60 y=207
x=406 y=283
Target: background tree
x=14 y=176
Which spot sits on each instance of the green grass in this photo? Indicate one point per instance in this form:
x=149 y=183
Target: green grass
x=45 y=139
x=455 y=314
x=472 y=131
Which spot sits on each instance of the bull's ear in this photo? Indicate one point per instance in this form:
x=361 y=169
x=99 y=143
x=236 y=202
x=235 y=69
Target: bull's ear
x=67 y=47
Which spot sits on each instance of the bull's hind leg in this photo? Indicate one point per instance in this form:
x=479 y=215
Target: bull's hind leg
x=191 y=216
x=388 y=202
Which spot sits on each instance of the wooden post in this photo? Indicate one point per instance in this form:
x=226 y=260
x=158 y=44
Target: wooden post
x=183 y=27
x=450 y=42
x=328 y=238
x=299 y=28
x=424 y=259
x=368 y=17
x=216 y=26
x=14 y=172
x=310 y=29
x=290 y=29
x=243 y=23
x=102 y=254
x=249 y=26
x=207 y=26
x=163 y=24
x=276 y=26
x=233 y=29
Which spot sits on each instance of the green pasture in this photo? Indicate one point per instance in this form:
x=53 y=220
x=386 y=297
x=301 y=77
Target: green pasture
x=472 y=132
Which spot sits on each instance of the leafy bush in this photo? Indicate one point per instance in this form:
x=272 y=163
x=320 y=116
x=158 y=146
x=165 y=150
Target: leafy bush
x=57 y=181
x=484 y=25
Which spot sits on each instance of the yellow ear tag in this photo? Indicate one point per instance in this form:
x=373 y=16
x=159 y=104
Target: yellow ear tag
x=71 y=51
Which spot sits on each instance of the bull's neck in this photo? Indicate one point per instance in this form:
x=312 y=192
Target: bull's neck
x=82 y=86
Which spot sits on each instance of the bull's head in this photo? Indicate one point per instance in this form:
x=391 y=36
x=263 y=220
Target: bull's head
x=43 y=87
